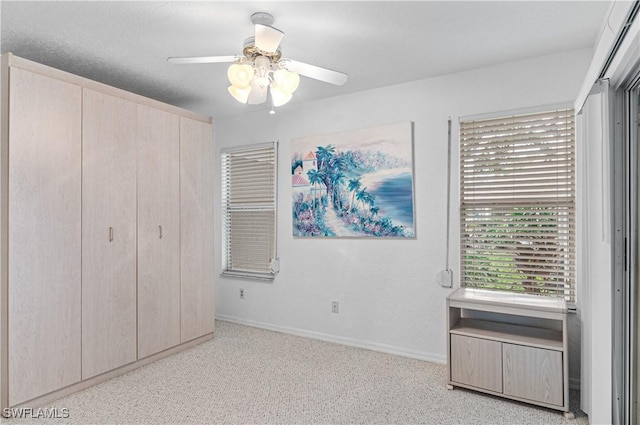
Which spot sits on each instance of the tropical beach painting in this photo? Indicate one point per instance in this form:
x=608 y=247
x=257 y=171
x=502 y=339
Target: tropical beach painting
x=354 y=184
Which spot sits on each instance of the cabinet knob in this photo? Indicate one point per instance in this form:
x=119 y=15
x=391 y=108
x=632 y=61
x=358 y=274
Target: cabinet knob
x=110 y=234
x=160 y=229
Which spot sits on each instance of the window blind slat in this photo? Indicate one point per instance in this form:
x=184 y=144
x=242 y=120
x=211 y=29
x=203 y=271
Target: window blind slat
x=517 y=202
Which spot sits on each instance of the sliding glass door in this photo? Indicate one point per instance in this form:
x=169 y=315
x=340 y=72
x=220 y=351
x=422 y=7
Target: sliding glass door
x=626 y=316
x=626 y=306
x=634 y=334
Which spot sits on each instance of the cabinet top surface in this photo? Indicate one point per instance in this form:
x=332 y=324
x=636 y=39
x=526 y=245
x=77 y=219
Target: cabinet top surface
x=508 y=299
x=12 y=61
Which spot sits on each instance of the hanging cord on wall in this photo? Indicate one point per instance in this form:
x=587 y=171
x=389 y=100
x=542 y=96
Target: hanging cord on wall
x=445 y=277
x=448 y=188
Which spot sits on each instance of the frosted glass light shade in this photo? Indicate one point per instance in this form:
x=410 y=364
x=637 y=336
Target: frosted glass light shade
x=240 y=75
x=240 y=94
x=287 y=81
x=279 y=96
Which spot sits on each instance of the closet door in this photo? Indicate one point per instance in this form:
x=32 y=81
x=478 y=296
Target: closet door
x=158 y=230
x=108 y=233
x=196 y=222
x=44 y=238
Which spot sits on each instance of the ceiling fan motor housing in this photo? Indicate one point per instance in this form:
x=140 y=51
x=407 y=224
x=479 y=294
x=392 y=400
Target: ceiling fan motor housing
x=262 y=18
x=250 y=51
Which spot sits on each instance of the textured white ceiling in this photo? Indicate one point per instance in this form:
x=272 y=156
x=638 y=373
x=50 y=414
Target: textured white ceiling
x=377 y=43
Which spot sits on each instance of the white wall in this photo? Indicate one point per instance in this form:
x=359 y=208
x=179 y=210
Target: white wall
x=388 y=296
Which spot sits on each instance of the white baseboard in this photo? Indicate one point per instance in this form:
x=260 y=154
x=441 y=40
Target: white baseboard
x=368 y=345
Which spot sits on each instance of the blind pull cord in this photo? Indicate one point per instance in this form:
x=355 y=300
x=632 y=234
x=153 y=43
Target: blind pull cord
x=445 y=277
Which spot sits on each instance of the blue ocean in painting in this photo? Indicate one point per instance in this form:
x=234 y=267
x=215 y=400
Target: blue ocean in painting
x=394 y=197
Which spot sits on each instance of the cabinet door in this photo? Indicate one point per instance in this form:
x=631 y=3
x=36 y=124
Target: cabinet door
x=158 y=230
x=196 y=223
x=108 y=233
x=533 y=373
x=44 y=237
x=476 y=362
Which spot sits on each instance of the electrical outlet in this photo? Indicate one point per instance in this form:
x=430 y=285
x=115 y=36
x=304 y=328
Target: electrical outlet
x=335 y=307
x=241 y=294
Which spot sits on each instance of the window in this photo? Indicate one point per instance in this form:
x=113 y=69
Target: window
x=517 y=204
x=249 y=211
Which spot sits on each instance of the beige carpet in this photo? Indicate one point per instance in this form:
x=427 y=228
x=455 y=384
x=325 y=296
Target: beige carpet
x=247 y=375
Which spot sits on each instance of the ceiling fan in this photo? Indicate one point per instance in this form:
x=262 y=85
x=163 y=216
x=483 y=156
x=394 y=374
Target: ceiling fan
x=261 y=67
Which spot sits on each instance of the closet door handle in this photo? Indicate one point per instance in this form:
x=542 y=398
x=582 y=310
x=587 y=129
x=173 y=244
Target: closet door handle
x=160 y=229
x=110 y=234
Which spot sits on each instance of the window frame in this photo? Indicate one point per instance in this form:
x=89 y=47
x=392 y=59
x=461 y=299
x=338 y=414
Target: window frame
x=267 y=273
x=567 y=292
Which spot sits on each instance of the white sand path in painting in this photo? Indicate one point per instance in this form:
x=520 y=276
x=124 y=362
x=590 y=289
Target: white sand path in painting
x=339 y=227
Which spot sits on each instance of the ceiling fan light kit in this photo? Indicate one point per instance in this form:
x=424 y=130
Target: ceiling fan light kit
x=250 y=81
x=261 y=68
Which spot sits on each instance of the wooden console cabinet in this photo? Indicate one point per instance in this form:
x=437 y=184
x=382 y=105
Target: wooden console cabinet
x=509 y=345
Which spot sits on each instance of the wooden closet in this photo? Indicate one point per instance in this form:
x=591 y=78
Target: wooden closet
x=106 y=249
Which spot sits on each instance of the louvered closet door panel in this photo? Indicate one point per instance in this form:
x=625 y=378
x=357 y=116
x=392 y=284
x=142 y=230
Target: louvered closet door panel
x=108 y=233
x=158 y=230
x=196 y=222
x=44 y=235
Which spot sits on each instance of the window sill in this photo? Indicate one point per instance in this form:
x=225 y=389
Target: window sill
x=267 y=278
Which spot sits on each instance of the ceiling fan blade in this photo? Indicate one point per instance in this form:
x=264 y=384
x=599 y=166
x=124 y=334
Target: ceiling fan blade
x=268 y=38
x=202 y=59
x=316 y=72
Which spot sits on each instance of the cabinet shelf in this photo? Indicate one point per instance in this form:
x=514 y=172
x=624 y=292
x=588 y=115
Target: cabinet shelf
x=505 y=332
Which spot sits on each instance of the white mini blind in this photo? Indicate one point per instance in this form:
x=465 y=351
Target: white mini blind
x=249 y=211
x=517 y=204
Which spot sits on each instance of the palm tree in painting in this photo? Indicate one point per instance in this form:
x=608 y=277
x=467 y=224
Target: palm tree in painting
x=324 y=154
x=354 y=187
x=361 y=196
x=315 y=177
x=335 y=168
x=338 y=162
x=369 y=200
x=336 y=180
x=374 y=211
